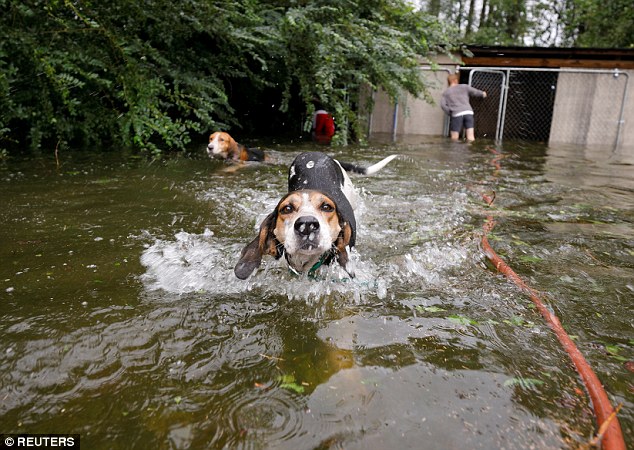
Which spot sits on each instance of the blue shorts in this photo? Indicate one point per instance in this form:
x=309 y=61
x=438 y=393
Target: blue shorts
x=457 y=123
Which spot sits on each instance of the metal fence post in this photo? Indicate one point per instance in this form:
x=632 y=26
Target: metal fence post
x=395 y=121
x=617 y=73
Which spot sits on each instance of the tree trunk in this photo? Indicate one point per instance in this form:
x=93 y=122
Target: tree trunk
x=460 y=14
x=483 y=14
x=470 y=17
x=434 y=8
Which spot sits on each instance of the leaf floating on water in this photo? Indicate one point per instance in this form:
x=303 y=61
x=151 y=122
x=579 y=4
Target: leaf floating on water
x=293 y=387
x=105 y=180
x=288 y=382
x=272 y=358
x=519 y=322
x=519 y=242
x=530 y=259
x=524 y=383
x=429 y=309
x=613 y=351
x=462 y=320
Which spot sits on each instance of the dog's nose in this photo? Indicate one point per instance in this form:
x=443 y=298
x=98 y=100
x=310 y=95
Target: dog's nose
x=306 y=225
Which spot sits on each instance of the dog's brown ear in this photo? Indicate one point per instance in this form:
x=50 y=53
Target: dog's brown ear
x=341 y=244
x=233 y=149
x=264 y=243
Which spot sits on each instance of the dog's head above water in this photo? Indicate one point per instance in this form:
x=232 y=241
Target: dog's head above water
x=221 y=146
x=313 y=224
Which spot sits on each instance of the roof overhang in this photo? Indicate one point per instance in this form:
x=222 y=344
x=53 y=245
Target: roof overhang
x=549 y=57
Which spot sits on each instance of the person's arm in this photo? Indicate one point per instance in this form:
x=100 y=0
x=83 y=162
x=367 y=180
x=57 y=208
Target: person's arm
x=445 y=105
x=473 y=92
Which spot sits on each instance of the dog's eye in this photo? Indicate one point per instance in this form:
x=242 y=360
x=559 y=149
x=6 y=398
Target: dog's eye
x=287 y=209
x=327 y=207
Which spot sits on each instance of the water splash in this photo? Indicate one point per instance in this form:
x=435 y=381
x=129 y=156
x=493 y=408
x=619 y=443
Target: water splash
x=204 y=263
x=397 y=247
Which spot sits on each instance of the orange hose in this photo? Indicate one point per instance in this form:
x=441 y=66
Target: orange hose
x=603 y=410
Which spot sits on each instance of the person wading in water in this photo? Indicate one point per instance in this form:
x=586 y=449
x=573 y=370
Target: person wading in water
x=455 y=102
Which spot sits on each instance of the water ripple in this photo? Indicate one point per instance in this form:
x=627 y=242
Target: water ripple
x=258 y=417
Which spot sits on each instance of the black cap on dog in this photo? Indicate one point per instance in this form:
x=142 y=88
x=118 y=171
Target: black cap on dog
x=319 y=172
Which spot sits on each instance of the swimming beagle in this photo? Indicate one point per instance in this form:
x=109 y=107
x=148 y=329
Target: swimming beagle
x=314 y=223
x=223 y=146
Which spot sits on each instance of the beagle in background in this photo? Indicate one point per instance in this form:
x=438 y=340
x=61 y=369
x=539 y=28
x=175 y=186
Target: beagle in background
x=314 y=223
x=223 y=146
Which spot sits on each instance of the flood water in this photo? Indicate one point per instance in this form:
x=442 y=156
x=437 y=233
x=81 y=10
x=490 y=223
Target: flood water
x=121 y=318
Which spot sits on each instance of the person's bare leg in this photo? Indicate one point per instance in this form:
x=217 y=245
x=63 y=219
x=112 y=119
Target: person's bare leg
x=470 y=135
x=454 y=135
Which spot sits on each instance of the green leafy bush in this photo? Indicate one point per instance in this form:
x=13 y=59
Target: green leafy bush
x=150 y=74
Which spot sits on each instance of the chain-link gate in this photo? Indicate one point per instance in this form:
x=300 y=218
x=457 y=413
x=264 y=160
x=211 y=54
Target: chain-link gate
x=550 y=105
x=489 y=120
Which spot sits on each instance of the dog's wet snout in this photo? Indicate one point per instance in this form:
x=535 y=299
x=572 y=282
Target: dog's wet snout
x=307 y=226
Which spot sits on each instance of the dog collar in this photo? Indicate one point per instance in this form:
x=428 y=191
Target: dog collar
x=325 y=259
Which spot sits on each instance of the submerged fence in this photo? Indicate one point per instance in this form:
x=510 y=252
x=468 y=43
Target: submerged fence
x=574 y=106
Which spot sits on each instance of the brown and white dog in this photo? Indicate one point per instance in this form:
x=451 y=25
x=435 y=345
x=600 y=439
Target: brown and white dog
x=223 y=146
x=314 y=223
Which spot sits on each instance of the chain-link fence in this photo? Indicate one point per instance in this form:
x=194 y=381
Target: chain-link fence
x=572 y=106
x=583 y=107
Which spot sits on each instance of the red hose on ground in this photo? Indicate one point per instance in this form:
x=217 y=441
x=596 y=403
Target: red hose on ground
x=603 y=410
